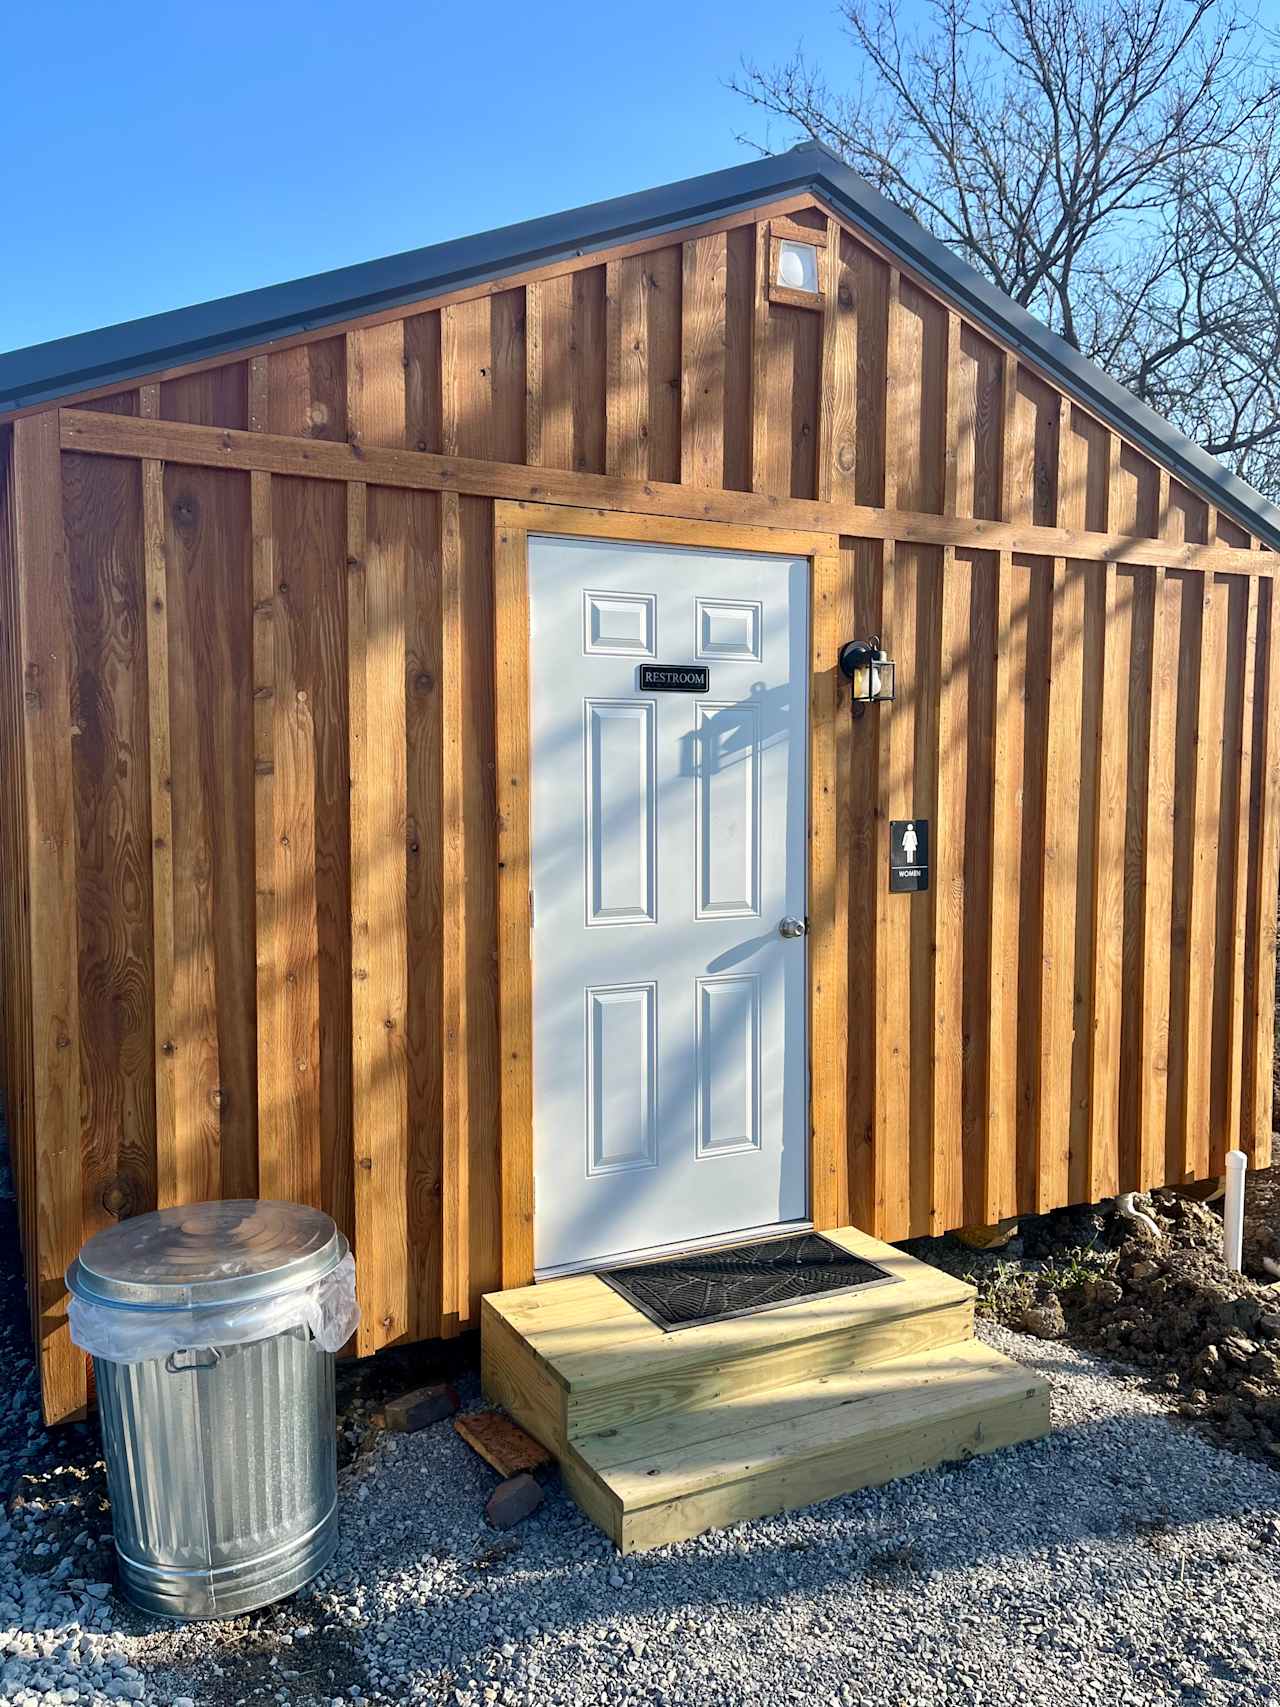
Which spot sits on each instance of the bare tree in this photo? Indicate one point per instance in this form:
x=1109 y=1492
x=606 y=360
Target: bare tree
x=1113 y=165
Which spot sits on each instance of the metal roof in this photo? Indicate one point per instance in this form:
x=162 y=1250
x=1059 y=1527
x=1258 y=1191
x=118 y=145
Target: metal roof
x=119 y=354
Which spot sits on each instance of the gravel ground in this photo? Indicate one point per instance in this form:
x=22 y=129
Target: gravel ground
x=1125 y=1559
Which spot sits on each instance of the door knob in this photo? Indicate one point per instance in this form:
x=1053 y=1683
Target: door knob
x=791 y=927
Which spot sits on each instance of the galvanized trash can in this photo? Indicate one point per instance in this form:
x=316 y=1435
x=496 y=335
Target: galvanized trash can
x=213 y=1329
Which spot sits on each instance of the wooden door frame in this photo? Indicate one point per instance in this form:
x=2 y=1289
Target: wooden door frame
x=827 y=1018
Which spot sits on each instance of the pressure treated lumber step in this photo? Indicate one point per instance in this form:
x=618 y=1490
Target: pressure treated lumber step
x=794 y=1445
x=662 y=1435
x=571 y=1357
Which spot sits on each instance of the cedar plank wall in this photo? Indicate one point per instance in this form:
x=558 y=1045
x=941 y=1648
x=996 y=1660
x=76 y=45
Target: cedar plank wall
x=275 y=766
x=16 y=1061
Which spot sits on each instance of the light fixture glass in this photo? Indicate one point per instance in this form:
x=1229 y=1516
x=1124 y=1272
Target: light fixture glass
x=797 y=266
x=870 y=672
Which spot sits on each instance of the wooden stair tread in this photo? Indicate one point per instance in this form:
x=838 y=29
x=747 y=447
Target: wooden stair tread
x=587 y=1335
x=753 y=1434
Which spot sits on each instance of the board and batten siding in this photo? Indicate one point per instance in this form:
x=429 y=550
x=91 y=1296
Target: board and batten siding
x=248 y=749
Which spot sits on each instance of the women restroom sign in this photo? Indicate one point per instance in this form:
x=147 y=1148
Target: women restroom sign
x=908 y=855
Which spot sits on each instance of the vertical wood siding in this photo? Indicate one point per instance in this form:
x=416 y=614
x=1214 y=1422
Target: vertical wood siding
x=112 y=792
x=16 y=1063
x=248 y=751
x=1089 y=1022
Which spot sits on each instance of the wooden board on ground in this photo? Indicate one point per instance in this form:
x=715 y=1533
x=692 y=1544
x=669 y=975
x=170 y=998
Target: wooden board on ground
x=501 y=1442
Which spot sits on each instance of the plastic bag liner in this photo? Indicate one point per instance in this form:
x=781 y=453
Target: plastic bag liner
x=127 y=1334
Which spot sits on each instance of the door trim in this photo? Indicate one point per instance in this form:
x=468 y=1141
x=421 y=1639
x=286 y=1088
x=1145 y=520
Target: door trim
x=827 y=1027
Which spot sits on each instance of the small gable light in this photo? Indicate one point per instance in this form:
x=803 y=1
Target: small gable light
x=870 y=671
x=797 y=268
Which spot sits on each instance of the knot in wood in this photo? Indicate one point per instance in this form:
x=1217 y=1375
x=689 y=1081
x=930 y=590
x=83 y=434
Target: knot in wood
x=116 y=1198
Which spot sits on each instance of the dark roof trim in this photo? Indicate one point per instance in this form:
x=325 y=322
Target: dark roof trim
x=119 y=354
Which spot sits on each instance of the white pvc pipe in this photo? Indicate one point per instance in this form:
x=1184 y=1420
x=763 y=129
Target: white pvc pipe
x=1127 y=1207
x=1233 y=1212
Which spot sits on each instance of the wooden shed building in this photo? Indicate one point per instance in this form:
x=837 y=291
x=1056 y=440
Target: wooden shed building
x=358 y=851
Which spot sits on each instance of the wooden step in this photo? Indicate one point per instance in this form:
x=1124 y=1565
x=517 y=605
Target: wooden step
x=571 y=1358
x=756 y=1454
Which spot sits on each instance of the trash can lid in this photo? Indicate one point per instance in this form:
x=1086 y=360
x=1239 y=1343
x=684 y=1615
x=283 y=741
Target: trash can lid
x=207 y=1253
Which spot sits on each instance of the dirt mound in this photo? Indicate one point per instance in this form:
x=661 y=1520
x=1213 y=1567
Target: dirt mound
x=1173 y=1305
x=1262 y=1217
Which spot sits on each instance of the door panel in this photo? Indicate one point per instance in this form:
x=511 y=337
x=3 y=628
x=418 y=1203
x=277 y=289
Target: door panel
x=620 y=812
x=727 y=742
x=622 y=1061
x=728 y=1064
x=668 y=840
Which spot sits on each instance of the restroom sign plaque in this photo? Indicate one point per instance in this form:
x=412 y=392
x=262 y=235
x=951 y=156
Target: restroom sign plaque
x=908 y=855
x=675 y=678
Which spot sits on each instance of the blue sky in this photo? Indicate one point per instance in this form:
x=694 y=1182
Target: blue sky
x=157 y=154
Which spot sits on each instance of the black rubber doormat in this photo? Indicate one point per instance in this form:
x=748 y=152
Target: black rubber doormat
x=739 y=1280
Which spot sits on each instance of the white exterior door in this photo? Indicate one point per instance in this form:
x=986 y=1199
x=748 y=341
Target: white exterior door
x=670 y=1067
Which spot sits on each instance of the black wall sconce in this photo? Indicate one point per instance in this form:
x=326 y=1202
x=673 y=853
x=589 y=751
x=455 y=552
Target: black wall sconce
x=870 y=672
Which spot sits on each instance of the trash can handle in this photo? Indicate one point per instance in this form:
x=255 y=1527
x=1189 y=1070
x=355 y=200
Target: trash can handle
x=197 y=1357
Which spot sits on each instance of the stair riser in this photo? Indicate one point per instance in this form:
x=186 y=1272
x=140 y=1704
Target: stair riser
x=652 y=1393
x=514 y=1378
x=791 y=1485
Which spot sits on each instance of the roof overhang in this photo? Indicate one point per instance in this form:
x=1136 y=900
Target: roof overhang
x=128 y=352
